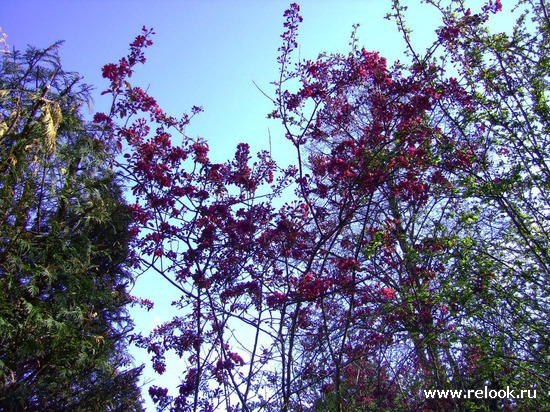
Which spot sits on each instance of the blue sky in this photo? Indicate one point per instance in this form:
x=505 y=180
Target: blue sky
x=206 y=53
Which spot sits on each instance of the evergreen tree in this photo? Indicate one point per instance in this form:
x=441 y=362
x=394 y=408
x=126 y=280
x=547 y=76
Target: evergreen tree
x=64 y=253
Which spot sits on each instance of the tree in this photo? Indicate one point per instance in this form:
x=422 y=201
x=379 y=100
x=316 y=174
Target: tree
x=200 y=226
x=64 y=257
x=381 y=172
x=411 y=256
x=505 y=75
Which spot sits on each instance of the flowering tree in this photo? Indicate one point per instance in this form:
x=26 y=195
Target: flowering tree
x=381 y=172
x=383 y=275
x=211 y=230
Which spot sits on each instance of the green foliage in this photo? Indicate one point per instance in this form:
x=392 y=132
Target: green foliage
x=506 y=76
x=64 y=255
